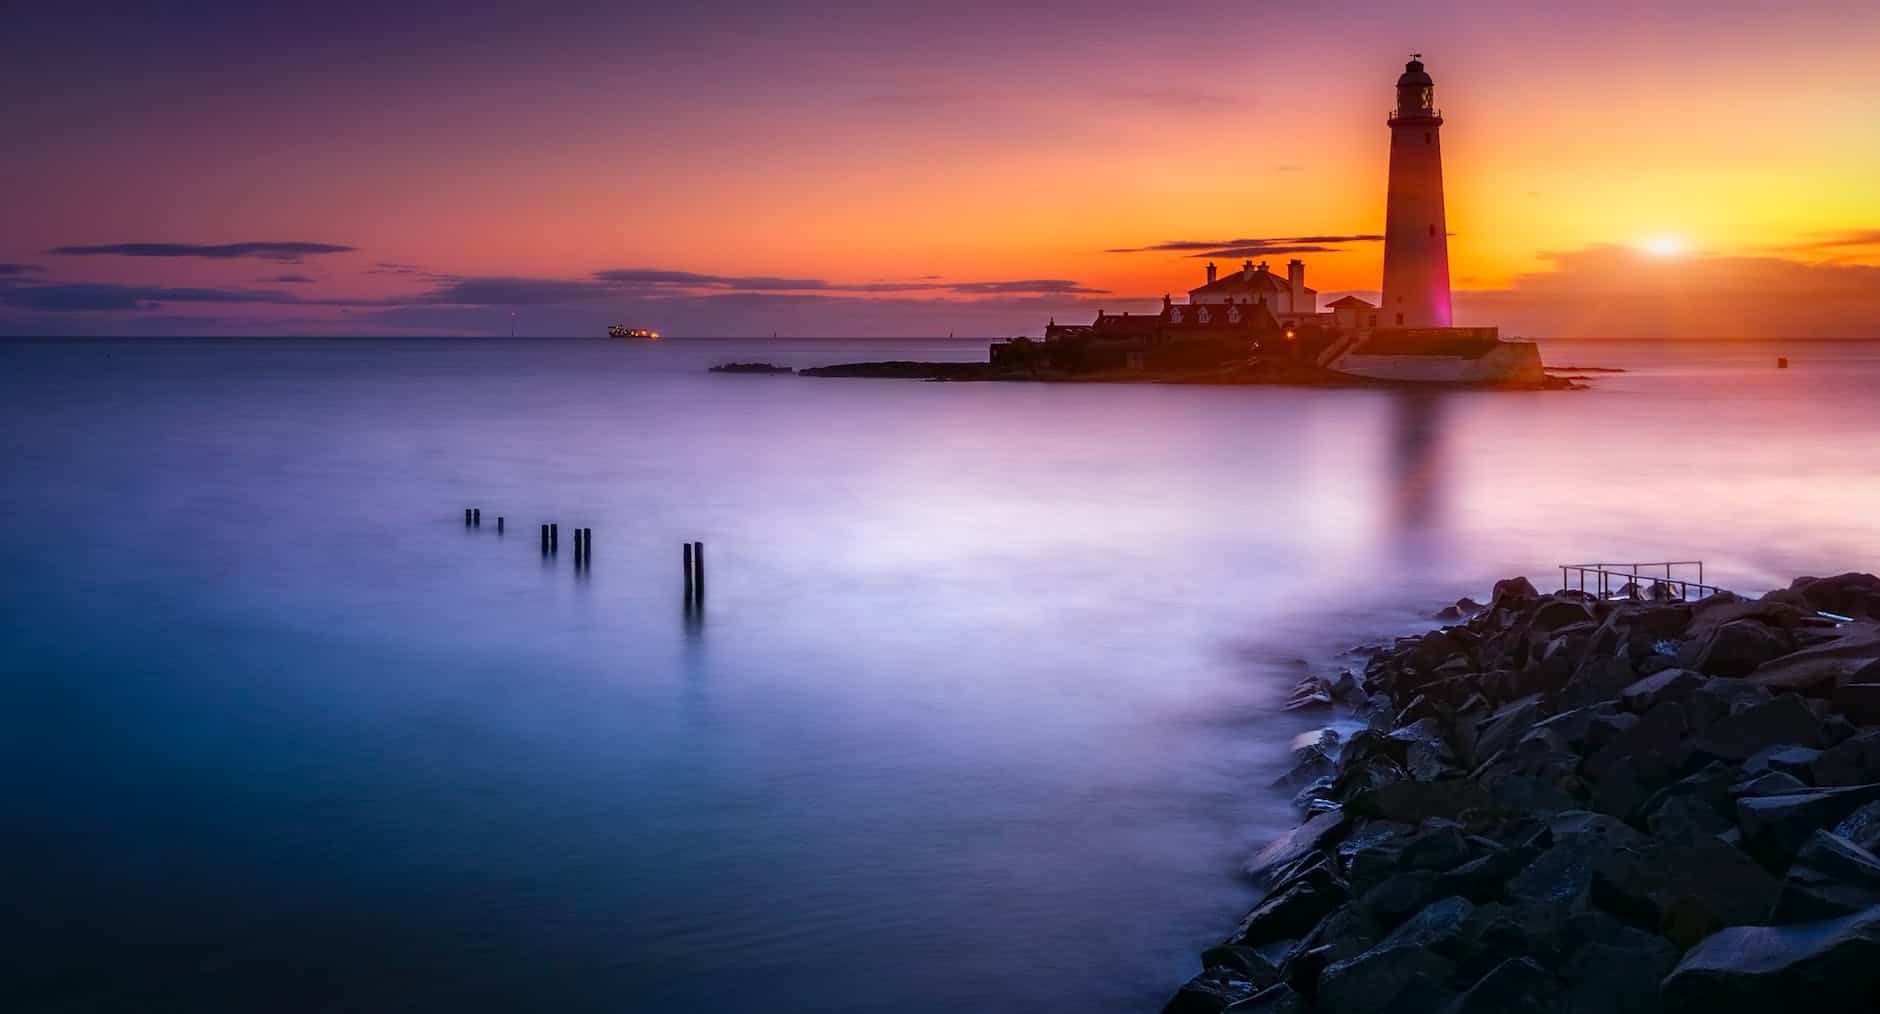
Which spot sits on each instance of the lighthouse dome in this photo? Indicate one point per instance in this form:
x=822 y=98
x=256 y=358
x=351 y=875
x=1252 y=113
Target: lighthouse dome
x=1414 y=76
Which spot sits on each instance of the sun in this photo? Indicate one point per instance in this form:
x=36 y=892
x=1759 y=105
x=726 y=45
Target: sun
x=1664 y=245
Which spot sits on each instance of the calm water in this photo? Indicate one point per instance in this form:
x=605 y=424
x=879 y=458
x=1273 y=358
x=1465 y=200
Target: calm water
x=978 y=715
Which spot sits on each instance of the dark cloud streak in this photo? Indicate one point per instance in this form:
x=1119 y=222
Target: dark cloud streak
x=289 y=252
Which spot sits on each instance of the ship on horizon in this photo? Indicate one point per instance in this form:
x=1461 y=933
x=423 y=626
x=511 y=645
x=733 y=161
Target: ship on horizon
x=623 y=331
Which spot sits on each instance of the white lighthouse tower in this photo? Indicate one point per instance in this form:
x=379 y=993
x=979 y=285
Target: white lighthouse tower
x=1416 y=240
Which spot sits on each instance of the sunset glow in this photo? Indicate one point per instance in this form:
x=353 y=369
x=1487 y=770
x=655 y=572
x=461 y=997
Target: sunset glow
x=916 y=172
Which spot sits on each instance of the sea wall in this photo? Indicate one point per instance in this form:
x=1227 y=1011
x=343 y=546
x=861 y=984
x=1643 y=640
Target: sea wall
x=1563 y=804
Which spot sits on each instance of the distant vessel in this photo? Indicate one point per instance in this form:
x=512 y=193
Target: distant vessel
x=623 y=331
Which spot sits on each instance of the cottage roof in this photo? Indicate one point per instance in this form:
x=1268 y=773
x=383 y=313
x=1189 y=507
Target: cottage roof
x=1353 y=302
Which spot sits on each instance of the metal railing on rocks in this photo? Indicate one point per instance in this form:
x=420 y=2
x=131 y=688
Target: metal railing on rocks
x=1629 y=580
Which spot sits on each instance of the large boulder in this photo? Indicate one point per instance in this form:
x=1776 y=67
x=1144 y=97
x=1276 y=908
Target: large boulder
x=1555 y=613
x=1412 y=802
x=1664 y=685
x=1513 y=593
x=1516 y=986
x=1214 y=991
x=1850 y=594
x=1295 y=845
x=1684 y=890
x=1830 y=877
x=1614 y=968
x=1854 y=761
x=1736 y=648
x=1822 y=967
x=1775 y=827
x=1862 y=827
x=1782 y=721
x=1293 y=907
x=1372 y=981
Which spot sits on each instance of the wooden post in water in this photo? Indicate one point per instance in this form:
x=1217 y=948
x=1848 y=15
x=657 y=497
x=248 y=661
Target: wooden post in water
x=698 y=571
x=587 y=545
x=689 y=584
x=476 y=517
x=466 y=517
x=544 y=540
x=499 y=524
x=554 y=537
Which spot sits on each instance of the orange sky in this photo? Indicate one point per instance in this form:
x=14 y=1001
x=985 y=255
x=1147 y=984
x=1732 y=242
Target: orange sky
x=976 y=145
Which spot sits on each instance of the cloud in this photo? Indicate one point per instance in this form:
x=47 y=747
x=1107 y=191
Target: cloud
x=689 y=279
x=290 y=252
x=289 y=279
x=1032 y=285
x=75 y=297
x=1831 y=242
x=1250 y=247
x=1617 y=292
x=15 y=270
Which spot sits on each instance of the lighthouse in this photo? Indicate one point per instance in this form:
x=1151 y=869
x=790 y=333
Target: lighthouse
x=1416 y=241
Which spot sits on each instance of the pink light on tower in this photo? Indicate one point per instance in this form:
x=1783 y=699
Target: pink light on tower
x=1416 y=239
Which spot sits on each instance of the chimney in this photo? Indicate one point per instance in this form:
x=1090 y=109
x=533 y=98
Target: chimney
x=1296 y=276
x=1210 y=272
x=1246 y=271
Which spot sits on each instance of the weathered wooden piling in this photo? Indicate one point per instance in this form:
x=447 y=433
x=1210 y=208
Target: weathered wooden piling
x=544 y=540
x=587 y=545
x=499 y=524
x=466 y=517
x=554 y=537
x=689 y=580
x=698 y=571
x=476 y=517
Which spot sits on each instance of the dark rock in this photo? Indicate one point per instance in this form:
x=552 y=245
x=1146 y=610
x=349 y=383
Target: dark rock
x=1854 y=761
x=1400 y=897
x=1831 y=877
x=1411 y=802
x=1293 y=908
x=1843 y=594
x=1440 y=927
x=1785 y=720
x=1277 y=999
x=1654 y=744
x=1514 y=593
x=1862 y=827
x=1681 y=817
x=1505 y=727
x=1772 y=783
x=1515 y=985
x=1310 y=764
x=1556 y=613
x=1736 y=648
x=1683 y=890
x=1615 y=969
x=1719 y=698
x=1665 y=685
x=1439 y=846
x=1859 y=699
x=1346 y=933
x=1215 y=990
x=1372 y=981
x=1789 y=759
x=1294 y=845
x=1775 y=827
x=1827 y=966
x=1484 y=878
x=1244 y=960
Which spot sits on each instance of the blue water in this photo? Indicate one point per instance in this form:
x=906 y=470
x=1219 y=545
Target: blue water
x=978 y=715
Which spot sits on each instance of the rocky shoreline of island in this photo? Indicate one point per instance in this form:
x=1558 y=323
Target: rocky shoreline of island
x=1563 y=803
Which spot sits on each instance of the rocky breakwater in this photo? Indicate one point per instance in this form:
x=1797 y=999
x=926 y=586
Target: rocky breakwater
x=1562 y=804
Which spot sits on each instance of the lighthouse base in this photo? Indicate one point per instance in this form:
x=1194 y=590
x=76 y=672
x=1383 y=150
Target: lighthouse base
x=1445 y=355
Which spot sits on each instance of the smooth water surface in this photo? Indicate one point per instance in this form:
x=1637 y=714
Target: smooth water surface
x=978 y=714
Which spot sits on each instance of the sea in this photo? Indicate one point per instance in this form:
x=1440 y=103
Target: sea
x=981 y=710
